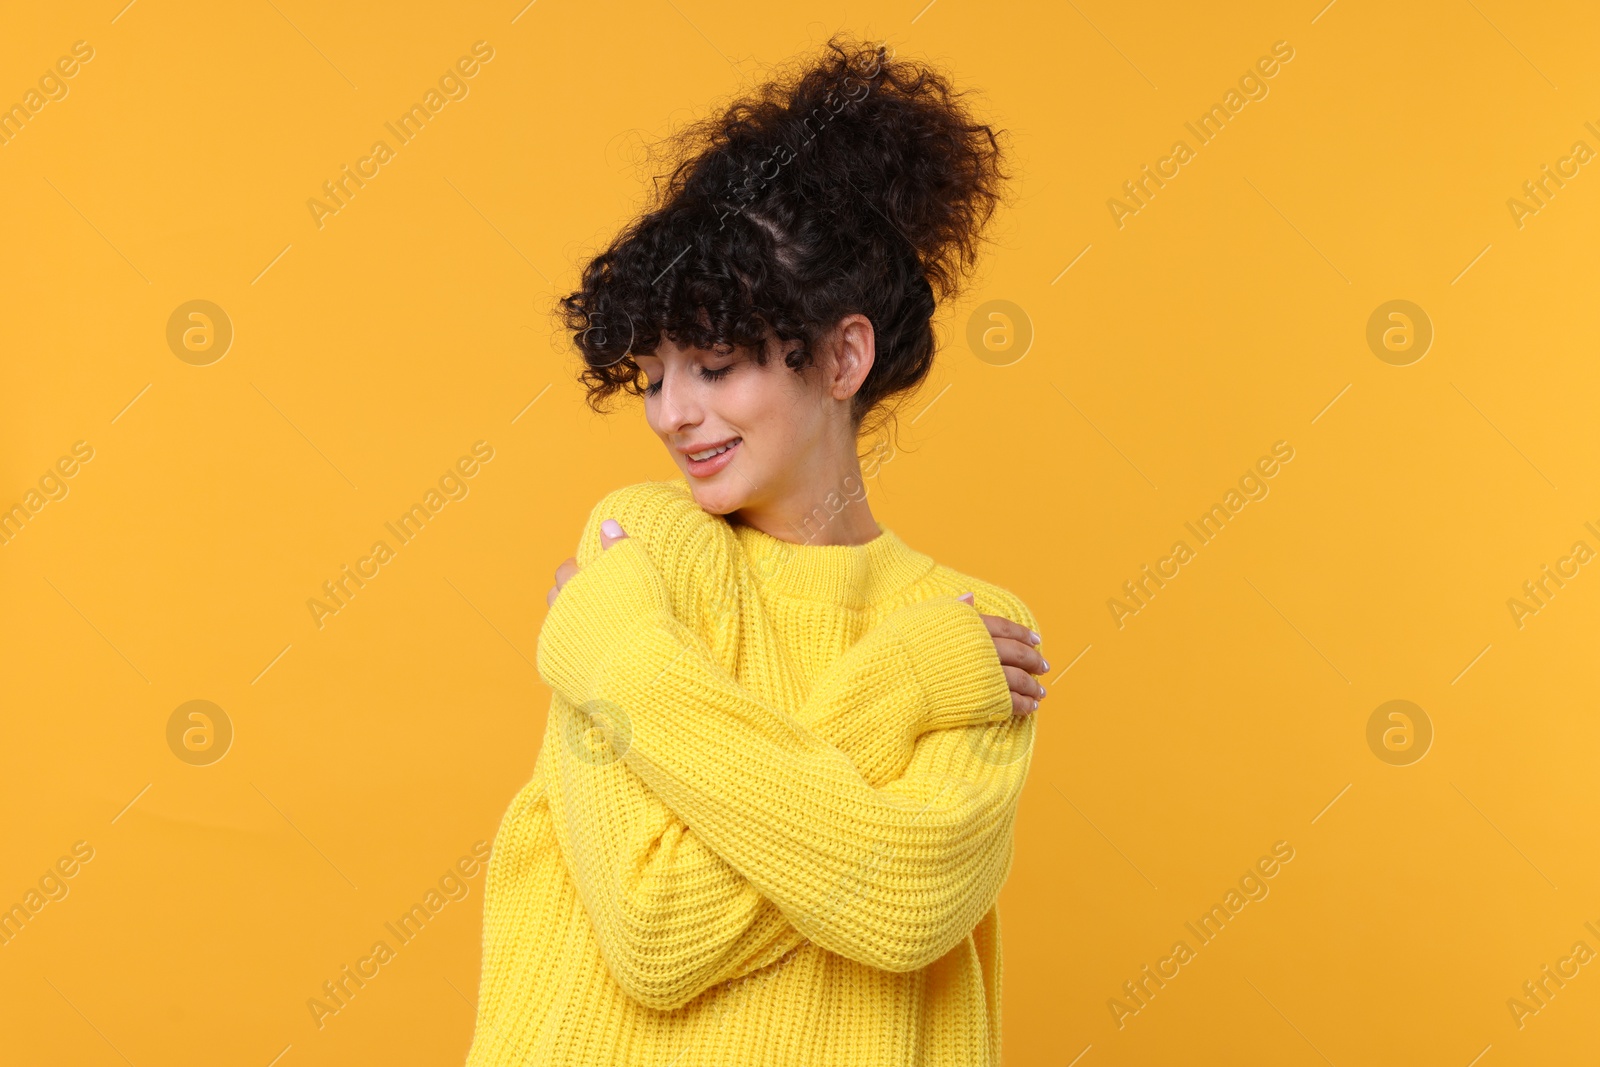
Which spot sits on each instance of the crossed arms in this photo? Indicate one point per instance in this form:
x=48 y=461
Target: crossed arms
x=711 y=832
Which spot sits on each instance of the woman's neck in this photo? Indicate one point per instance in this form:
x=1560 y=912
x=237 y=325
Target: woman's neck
x=825 y=512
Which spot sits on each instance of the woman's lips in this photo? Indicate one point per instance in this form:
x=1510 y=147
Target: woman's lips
x=705 y=468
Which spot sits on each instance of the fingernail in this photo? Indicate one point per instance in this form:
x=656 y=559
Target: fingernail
x=1047 y=666
x=967 y=597
x=1035 y=706
x=1035 y=637
x=612 y=528
x=1043 y=690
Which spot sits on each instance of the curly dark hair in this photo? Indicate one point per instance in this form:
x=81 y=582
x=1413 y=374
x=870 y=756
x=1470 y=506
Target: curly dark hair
x=858 y=182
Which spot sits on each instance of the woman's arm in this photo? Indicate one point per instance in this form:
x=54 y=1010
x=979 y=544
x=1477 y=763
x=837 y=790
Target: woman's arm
x=672 y=917
x=892 y=877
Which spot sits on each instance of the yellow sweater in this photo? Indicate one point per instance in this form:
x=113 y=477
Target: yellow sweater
x=771 y=814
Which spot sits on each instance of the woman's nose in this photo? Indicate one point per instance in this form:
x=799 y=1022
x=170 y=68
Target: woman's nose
x=678 y=409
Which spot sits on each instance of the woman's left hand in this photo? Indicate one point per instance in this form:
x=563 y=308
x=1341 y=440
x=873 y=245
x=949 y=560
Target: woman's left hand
x=610 y=533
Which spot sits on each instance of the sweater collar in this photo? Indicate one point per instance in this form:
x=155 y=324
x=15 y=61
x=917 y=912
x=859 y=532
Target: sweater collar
x=847 y=575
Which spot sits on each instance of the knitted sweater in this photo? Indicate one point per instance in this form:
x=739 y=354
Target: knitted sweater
x=771 y=813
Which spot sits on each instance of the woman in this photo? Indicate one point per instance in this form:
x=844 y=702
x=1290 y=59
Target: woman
x=772 y=811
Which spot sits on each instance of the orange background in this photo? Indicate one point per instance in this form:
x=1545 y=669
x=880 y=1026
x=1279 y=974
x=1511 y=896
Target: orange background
x=1230 y=312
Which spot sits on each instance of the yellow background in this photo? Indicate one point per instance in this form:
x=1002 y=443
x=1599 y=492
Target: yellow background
x=369 y=755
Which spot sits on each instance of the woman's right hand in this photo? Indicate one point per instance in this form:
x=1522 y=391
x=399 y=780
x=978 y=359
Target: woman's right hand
x=1019 y=657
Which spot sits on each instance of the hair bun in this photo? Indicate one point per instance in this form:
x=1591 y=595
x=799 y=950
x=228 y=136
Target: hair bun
x=876 y=143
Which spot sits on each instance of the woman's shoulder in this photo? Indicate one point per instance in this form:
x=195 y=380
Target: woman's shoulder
x=989 y=598
x=694 y=550
x=655 y=503
x=675 y=529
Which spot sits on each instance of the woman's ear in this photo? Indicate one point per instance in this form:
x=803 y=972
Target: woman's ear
x=855 y=349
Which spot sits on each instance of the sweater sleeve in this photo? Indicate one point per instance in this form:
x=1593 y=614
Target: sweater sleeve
x=893 y=873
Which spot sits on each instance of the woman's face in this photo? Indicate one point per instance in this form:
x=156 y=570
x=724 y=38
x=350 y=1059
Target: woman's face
x=777 y=424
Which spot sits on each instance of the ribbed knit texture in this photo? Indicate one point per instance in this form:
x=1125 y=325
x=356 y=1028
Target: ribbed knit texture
x=771 y=813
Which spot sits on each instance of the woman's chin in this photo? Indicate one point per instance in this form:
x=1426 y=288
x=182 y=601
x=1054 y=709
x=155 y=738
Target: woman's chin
x=717 y=499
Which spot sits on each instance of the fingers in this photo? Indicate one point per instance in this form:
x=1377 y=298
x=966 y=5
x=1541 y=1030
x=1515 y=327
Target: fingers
x=611 y=532
x=1024 y=686
x=1002 y=627
x=1017 y=647
x=1017 y=654
x=568 y=568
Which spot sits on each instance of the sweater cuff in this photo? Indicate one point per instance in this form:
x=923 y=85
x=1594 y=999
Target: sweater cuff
x=594 y=614
x=954 y=659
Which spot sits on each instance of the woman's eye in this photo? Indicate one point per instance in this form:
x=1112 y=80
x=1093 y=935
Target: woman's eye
x=705 y=372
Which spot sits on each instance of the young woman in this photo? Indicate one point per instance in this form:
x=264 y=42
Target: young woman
x=773 y=807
